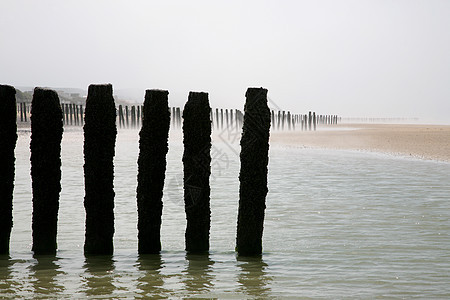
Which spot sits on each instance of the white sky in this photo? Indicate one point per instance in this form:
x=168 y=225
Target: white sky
x=376 y=58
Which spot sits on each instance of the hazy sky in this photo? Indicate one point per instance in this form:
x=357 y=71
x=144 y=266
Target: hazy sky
x=352 y=57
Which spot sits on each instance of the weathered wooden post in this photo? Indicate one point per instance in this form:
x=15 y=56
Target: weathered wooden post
x=231 y=119
x=289 y=120
x=99 y=147
x=226 y=118
x=45 y=147
x=21 y=112
x=309 y=121
x=197 y=170
x=8 y=138
x=25 y=110
x=314 y=121
x=127 y=116
x=153 y=148
x=217 y=118
x=81 y=115
x=178 y=117
x=253 y=174
x=133 y=116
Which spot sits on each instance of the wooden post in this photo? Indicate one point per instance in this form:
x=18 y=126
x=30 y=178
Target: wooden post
x=25 y=111
x=221 y=118
x=45 y=148
x=231 y=118
x=314 y=121
x=226 y=118
x=309 y=121
x=21 y=111
x=217 y=118
x=127 y=116
x=133 y=116
x=253 y=173
x=197 y=169
x=77 y=114
x=8 y=138
x=138 y=116
x=121 y=119
x=99 y=146
x=81 y=115
x=289 y=120
x=153 y=147
x=178 y=117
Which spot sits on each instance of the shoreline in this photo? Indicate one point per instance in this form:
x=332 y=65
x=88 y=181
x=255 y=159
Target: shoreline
x=428 y=142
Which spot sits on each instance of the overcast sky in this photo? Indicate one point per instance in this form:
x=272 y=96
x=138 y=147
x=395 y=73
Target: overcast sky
x=383 y=58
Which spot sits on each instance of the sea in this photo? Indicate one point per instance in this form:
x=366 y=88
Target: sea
x=338 y=225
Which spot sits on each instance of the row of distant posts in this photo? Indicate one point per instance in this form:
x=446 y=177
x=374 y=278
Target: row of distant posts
x=131 y=117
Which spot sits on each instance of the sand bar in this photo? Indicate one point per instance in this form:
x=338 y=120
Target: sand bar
x=431 y=142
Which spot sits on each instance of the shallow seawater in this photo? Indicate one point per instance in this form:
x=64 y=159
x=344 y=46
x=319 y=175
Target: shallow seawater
x=339 y=224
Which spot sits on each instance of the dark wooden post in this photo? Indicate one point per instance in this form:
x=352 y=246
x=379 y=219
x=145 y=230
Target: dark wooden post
x=221 y=118
x=138 y=115
x=45 y=147
x=197 y=169
x=217 y=118
x=226 y=118
x=178 y=117
x=21 y=112
x=153 y=147
x=253 y=173
x=231 y=119
x=66 y=111
x=81 y=115
x=99 y=147
x=133 y=116
x=8 y=138
x=174 y=119
x=314 y=121
x=289 y=120
x=309 y=121
x=25 y=110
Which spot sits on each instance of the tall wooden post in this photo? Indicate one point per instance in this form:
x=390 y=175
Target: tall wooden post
x=45 y=147
x=253 y=174
x=8 y=138
x=153 y=148
x=197 y=169
x=99 y=147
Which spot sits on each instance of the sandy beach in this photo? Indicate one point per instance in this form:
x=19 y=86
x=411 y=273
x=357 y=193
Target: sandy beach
x=431 y=142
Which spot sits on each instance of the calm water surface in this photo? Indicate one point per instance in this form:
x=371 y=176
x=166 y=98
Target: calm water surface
x=339 y=224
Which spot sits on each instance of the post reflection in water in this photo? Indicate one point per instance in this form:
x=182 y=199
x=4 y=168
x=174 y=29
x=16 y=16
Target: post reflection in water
x=253 y=278
x=7 y=283
x=151 y=281
x=99 y=275
x=197 y=276
x=43 y=275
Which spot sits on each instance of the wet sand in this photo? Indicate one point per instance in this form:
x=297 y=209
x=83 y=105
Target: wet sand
x=431 y=142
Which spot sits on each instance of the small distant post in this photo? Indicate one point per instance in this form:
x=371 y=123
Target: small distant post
x=314 y=121
x=153 y=148
x=99 y=146
x=45 y=147
x=8 y=138
x=197 y=170
x=253 y=174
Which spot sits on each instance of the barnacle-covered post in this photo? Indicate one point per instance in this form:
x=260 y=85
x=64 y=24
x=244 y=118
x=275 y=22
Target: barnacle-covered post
x=100 y=133
x=153 y=147
x=253 y=174
x=197 y=170
x=45 y=147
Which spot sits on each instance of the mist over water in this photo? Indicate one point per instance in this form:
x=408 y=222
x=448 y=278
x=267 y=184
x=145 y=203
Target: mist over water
x=338 y=224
